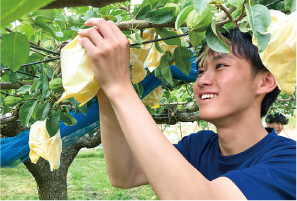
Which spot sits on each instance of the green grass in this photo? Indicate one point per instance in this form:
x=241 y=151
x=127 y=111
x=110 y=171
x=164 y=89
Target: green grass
x=87 y=179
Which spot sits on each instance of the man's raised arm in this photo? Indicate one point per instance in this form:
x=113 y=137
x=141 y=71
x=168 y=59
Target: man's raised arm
x=122 y=167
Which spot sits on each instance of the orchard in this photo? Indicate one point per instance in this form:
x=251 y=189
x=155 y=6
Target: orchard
x=33 y=33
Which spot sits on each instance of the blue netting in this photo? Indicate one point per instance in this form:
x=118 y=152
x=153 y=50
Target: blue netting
x=15 y=150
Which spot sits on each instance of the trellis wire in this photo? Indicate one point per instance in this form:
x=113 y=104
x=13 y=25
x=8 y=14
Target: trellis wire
x=270 y=4
x=47 y=60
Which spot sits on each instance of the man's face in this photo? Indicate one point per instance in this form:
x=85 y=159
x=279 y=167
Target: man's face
x=224 y=88
x=278 y=127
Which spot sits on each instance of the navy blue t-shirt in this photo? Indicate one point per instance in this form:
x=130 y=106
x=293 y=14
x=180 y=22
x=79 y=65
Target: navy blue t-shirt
x=266 y=171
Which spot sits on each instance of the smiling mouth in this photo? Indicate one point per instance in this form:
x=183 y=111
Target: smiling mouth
x=208 y=96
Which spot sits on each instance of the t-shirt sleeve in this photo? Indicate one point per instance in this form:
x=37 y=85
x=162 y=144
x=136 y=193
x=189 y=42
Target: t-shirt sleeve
x=183 y=146
x=273 y=178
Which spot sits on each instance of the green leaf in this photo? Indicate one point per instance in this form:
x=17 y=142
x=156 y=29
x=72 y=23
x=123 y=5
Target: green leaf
x=214 y=42
x=157 y=46
x=200 y=5
x=109 y=17
x=75 y=20
x=68 y=119
x=142 y=12
x=45 y=27
x=15 y=50
x=195 y=38
x=289 y=4
x=43 y=111
x=24 y=88
x=294 y=6
x=12 y=10
x=76 y=104
x=182 y=59
x=35 y=111
x=89 y=14
x=5 y=109
x=261 y=17
x=33 y=86
x=182 y=16
x=53 y=123
x=166 y=60
x=50 y=73
x=166 y=33
x=161 y=16
x=26 y=111
x=262 y=39
x=49 y=14
x=27 y=30
x=105 y=10
x=45 y=85
x=157 y=72
x=138 y=38
x=237 y=3
x=242 y=27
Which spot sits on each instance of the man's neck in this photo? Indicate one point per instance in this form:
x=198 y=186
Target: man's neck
x=240 y=134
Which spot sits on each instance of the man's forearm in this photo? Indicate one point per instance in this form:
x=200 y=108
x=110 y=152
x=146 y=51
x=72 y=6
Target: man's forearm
x=121 y=165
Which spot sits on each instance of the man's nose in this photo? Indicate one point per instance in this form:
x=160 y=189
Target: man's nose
x=205 y=79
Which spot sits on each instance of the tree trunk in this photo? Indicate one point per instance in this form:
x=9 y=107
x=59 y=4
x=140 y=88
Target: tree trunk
x=53 y=185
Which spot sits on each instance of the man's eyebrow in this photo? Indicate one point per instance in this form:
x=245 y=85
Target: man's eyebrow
x=221 y=56
x=217 y=57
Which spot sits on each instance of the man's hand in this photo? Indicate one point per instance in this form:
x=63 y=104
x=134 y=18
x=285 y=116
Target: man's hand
x=109 y=52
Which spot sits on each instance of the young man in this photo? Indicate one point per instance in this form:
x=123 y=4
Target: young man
x=242 y=161
x=276 y=121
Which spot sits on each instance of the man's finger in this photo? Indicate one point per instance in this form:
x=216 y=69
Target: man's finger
x=87 y=44
x=103 y=27
x=115 y=28
x=93 y=34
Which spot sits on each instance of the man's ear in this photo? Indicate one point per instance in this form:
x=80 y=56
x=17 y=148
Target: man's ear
x=267 y=83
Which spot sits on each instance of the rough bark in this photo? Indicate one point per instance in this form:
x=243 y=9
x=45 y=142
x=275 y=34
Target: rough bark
x=179 y=117
x=53 y=185
x=4 y=85
x=77 y=3
x=11 y=129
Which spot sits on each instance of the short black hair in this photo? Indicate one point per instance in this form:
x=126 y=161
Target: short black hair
x=242 y=47
x=278 y=117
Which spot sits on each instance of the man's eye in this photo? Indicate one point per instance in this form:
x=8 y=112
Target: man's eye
x=200 y=72
x=220 y=65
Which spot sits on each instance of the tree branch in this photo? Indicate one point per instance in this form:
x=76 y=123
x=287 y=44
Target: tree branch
x=222 y=18
x=178 y=117
x=78 y=3
x=140 y=24
x=4 y=85
x=226 y=12
x=89 y=142
x=5 y=120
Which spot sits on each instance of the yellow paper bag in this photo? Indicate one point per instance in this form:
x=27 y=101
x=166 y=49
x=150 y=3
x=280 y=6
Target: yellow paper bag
x=154 y=57
x=41 y=144
x=138 y=57
x=78 y=77
x=153 y=97
x=280 y=55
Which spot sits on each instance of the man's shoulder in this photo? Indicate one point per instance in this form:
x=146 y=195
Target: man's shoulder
x=278 y=146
